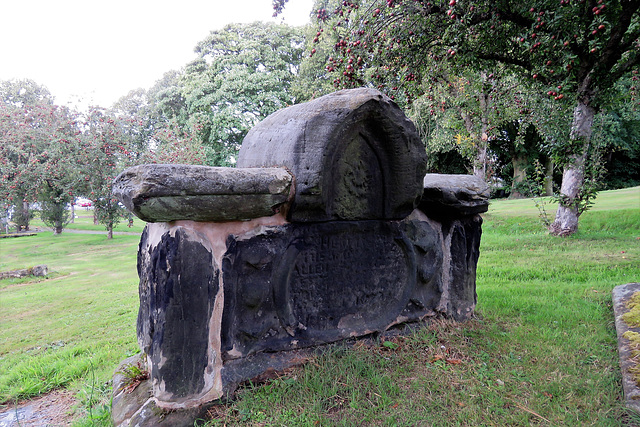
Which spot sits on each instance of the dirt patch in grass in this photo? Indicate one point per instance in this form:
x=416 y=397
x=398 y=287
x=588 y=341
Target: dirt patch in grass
x=53 y=409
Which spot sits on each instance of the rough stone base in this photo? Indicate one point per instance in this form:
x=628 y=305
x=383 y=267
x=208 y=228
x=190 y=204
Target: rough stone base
x=622 y=294
x=138 y=408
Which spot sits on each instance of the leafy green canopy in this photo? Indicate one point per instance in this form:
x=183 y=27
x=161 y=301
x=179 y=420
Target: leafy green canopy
x=576 y=49
x=242 y=74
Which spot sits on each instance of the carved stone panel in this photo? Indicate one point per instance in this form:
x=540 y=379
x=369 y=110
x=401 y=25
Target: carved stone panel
x=328 y=282
x=344 y=278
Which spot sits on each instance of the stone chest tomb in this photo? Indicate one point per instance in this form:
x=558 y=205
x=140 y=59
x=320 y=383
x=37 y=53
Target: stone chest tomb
x=328 y=229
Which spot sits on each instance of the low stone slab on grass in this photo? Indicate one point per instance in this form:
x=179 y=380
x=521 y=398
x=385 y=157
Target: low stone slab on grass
x=628 y=363
x=7 y=236
x=38 y=270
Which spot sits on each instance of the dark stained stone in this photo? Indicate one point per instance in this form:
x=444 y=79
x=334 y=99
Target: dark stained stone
x=354 y=153
x=454 y=195
x=464 y=253
x=162 y=193
x=178 y=285
x=426 y=238
x=306 y=284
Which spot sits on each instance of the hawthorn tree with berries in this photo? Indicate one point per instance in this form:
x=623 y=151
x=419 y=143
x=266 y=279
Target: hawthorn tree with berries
x=105 y=154
x=23 y=105
x=573 y=50
x=58 y=168
x=38 y=151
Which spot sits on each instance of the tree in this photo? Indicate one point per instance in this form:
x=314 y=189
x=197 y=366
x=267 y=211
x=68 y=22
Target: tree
x=58 y=171
x=573 y=50
x=242 y=75
x=618 y=131
x=137 y=121
x=173 y=147
x=39 y=143
x=105 y=153
x=24 y=106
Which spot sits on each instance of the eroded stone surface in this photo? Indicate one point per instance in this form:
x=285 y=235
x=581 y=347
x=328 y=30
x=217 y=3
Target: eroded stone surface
x=38 y=271
x=223 y=301
x=178 y=288
x=454 y=195
x=161 y=193
x=354 y=153
x=621 y=295
x=307 y=284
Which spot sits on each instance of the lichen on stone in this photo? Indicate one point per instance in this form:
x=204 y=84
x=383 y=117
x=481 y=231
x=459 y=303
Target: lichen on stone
x=632 y=317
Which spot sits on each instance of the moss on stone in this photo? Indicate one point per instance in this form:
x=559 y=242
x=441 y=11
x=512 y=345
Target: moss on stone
x=632 y=317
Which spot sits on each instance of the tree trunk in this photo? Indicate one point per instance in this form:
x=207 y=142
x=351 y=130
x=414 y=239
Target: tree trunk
x=519 y=175
x=548 y=180
x=480 y=162
x=73 y=212
x=566 y=221
x=25 y=215
x=110 y=231
x=480 y=141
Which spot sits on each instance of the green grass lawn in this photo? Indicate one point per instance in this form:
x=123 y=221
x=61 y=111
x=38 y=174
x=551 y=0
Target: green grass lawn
x=542 y=350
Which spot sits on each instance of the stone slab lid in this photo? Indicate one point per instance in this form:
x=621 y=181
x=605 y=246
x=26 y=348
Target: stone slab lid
x=457 y=195
x=161 y=193
x=354 y=155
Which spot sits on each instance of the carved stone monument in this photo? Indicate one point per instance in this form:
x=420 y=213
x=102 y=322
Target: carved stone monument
x=328 y=229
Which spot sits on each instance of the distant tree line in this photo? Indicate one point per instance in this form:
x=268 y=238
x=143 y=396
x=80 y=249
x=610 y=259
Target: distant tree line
x=493 y=90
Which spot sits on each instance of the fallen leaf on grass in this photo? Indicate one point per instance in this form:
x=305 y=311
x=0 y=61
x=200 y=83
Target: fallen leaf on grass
x=447 y=360
x=549 y=395
x=437 y=357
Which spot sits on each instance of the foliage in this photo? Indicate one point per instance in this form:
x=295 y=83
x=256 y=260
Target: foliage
x=24 y=93
x=556 y=44
x=173 y=147
x=39 y=143
x=105 y=153
x=617 y=133
x=54 y=209
x=571 y=52
x=242 y=74
x=134 y=374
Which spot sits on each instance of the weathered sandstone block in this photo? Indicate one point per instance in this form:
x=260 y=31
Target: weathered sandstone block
x=454 y=195
x=354 y=153
x=157 y=193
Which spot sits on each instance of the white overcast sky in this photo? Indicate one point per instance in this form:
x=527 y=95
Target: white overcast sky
x=100 y=50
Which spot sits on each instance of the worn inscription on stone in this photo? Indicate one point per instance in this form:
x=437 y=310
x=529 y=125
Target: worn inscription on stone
x=346 y=278
x=359 y=192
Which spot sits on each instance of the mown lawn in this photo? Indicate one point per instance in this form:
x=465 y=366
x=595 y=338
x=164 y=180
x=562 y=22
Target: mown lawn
x=541 y=351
